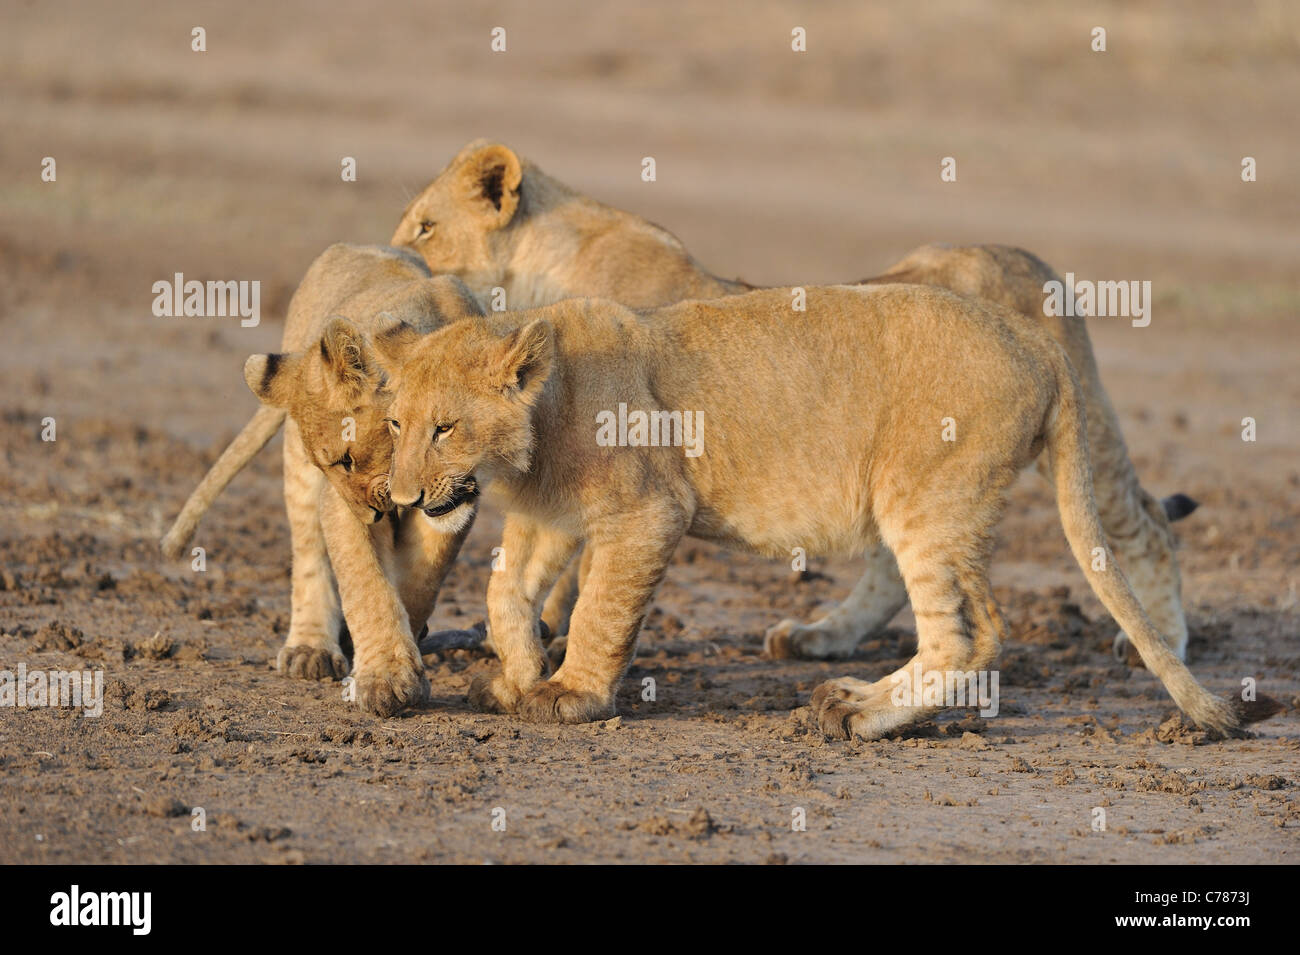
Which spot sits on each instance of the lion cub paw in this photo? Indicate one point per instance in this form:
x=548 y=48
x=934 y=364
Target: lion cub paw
x=303 y=662
x=552 y=702
x=845 y=708
x=1125 y=652
x=389 y=690
x=792 y=640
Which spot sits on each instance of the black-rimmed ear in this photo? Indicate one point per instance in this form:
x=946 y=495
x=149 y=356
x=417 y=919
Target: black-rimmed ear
x=344 y=352
x=272 y=378
x=525 y=360
x=490 y=177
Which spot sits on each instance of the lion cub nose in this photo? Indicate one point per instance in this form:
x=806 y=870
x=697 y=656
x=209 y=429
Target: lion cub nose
x=403 y=498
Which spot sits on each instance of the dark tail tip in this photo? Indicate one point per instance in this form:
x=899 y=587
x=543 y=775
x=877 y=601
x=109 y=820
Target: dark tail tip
x=1256 y=710
x=1178 y=506
x=441 y=640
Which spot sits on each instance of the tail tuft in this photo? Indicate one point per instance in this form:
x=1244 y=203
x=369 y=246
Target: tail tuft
x=1178 y=506
x=1256 y=710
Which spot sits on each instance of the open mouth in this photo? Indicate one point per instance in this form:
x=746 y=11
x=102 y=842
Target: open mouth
x=464 y=494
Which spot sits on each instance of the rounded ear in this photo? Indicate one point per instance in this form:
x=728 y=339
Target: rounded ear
x=525 y=360
x=343 y=349
x=269 y=377
x=490 y=177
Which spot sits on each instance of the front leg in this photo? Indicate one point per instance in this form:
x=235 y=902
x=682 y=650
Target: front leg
x=627 y=565
x=386 y=662
x=311 y=651
x=533 y=555
x=422 y=557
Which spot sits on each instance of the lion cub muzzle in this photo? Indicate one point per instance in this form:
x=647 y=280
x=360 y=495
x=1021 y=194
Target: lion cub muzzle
x=461 y=492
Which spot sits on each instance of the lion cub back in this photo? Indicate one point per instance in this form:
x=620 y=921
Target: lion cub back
x=357 y=282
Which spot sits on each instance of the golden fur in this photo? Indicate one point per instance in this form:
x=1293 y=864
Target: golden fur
x=497 y=221
x=826 y=430
x=355 y=558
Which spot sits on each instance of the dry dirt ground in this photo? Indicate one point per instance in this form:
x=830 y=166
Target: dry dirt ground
x=777 y=166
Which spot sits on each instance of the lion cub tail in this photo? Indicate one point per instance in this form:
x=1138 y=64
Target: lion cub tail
x=1067 y=445
x=259 y=430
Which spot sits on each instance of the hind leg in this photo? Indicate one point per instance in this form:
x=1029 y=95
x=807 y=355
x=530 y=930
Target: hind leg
x=1136 y=525
x=559 y=603
x=311 y=651
x=876 y=597
x=944 y=564
x=955 y=640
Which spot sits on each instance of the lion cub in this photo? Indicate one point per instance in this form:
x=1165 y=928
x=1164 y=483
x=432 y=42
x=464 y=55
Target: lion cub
x=894 y=413
x=355 y=557
x=497 y=220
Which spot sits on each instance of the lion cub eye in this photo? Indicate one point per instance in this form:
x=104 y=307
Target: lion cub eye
x=346 y=461
x=426 y=227
x=442 y=430
x=393 y=427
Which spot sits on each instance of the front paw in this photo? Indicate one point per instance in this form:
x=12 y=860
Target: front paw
x=387 y=690
x=834 y=710
x=306 y=662
x=552 y=702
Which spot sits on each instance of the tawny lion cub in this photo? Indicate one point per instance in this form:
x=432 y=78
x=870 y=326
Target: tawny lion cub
x=892 y=413
x=496 y=220
x=355 y=557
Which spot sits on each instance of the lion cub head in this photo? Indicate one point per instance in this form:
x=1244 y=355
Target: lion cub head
x=461 y=413
x=334 y=394
x=337 y=392
x=455 y=221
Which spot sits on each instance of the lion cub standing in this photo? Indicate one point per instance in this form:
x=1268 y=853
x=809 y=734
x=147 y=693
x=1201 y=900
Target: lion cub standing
x=822 y=429
x=496 y=220
x=354 y=556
